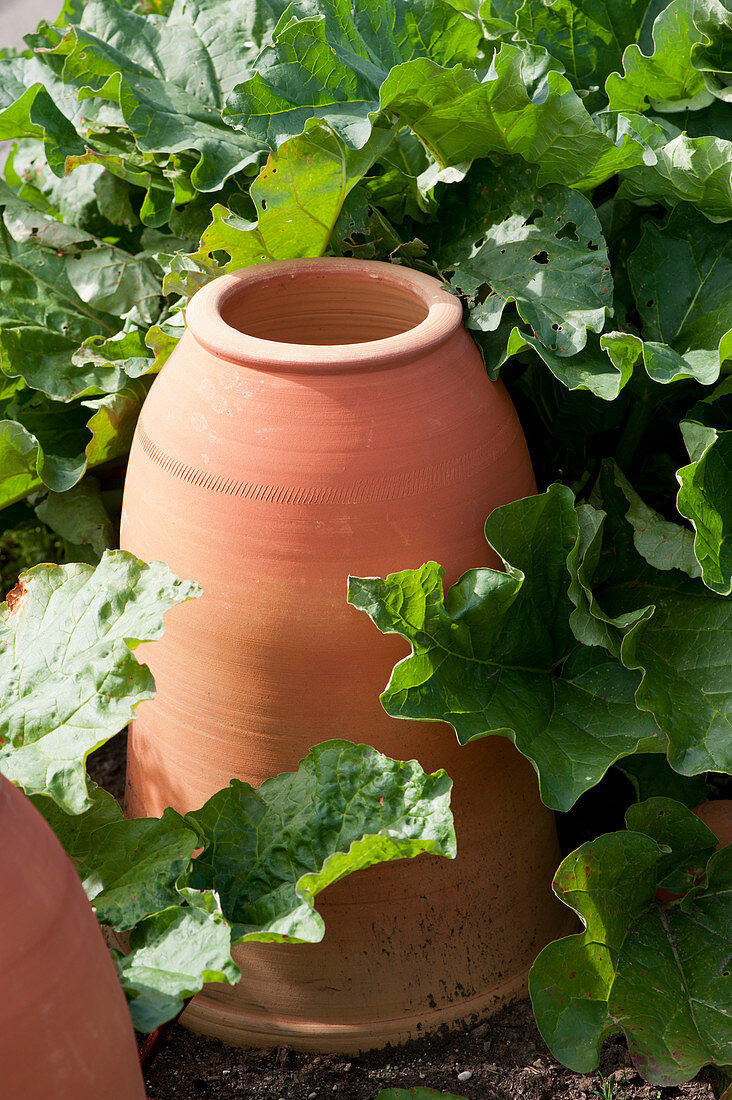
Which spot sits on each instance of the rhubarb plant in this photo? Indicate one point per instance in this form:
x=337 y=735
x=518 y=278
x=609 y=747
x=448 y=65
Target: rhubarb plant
x=567 y=171
x=248 y=864
x=660 y=972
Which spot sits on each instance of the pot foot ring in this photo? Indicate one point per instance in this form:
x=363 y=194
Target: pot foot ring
x=206 y=1016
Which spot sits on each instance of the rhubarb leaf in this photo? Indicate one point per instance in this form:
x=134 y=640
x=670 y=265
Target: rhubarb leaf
x=680 y=273
x=330 y=65
x=547 y=255
x=128 y=868
x=666 y=79
x=668 y=627
x=298 y=196
x=704 y=499
x=496 y=654
x=586 y=986
x=461 y=114
x=172 y=955
x=697 y=170
x=69 y=677
x=663 y=544
x=168 y=76
x=268 y=852
x=587 y=37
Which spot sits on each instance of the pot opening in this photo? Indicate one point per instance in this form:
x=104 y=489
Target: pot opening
x=326 y=308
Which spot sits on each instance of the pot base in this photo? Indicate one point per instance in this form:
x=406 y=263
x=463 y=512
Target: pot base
x=212 y=1013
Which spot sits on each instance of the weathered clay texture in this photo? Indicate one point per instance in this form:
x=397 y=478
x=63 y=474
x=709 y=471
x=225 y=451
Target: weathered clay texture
x=65 y=1031
x=321 y=418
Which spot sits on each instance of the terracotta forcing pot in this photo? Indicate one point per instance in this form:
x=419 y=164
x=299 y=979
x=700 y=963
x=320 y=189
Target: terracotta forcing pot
x=718 y=817
x=65 y=1031
x=320 y=418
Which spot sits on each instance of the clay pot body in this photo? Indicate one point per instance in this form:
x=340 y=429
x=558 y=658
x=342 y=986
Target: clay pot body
x=65 y=1031
x=321 y=418
x=718 y=817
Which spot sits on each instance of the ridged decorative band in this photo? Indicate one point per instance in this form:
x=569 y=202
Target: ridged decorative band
x=366 y=490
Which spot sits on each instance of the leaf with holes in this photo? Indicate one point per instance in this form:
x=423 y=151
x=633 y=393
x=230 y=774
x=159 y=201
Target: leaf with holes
x=298 y=195
x=547 y=255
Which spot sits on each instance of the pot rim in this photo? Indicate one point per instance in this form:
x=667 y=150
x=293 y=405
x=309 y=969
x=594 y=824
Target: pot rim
x=205 y=321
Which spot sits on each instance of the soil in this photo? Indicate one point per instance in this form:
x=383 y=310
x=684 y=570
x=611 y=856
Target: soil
x=503 y=1058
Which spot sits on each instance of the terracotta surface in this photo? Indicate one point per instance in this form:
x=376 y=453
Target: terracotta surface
x=717 y=816
x=65 y=1031
x=269 y=471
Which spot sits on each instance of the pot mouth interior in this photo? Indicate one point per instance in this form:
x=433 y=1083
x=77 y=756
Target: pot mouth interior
x=329 y=314
x=325 y=310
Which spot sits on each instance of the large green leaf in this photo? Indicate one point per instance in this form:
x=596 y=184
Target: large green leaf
x=298 y=195
x=331 y=63
x=667 y=79
x=671 y=629
x=265 y=855
x=519 y=106
x=687 y=169
x=660 y=973
x=172 y=955
x=69 y=677
x=268 y=852
x=49 y=443
x=680 y=274
x=704 y=498
x=128 y=868
x=169 y=77
x=587 y=37
x=496 y=654
x=506 y=240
